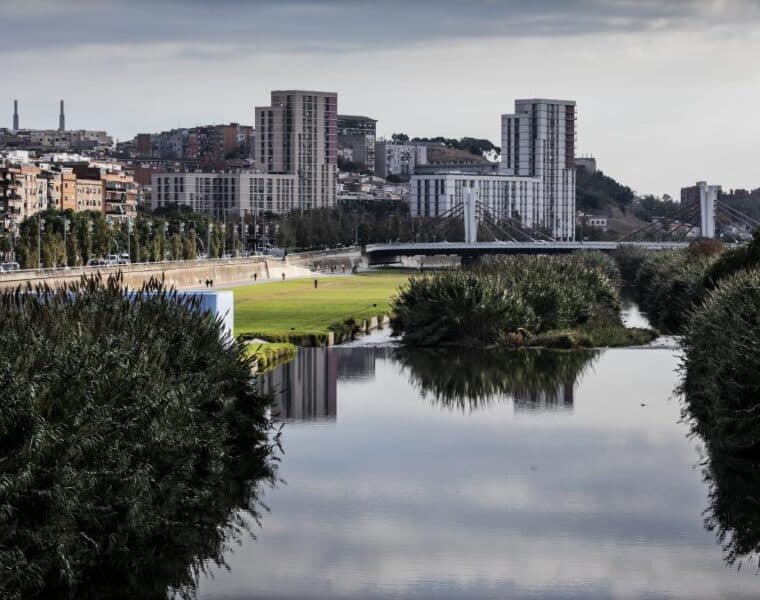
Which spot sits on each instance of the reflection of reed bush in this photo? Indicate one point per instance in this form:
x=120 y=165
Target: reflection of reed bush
x=130 y=433
x=477 y=379
x=481 y=305
x=734 y=510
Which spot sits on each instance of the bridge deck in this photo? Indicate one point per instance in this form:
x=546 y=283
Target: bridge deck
x=479 y=248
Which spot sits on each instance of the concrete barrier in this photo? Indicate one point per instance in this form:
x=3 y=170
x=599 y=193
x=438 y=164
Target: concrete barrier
x=180 y=274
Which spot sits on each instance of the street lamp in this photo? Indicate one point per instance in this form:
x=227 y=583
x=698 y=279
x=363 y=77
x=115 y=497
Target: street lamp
x=66 y=225
x=40 y=229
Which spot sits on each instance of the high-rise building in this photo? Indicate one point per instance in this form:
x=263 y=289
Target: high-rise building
x=61 y=119
x=538 y=140
x=15 y=115
x=535 y=183
x=356 y=139
x=297 y=135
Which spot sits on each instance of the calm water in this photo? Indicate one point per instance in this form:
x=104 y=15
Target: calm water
x=480 y=476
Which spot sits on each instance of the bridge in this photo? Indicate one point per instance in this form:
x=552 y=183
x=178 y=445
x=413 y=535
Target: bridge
x=387 y=253
x=509 y=236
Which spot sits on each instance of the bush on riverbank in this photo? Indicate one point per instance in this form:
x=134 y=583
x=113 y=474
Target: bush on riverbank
x=721 y=390
x=269 y=354
x=669 y=284
x=130 y=435
x=506 y=299
x=722 y=360
x=734 y=260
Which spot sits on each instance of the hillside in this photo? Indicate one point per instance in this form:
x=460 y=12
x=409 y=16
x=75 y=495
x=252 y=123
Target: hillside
x=597 y=192
x=600 y=194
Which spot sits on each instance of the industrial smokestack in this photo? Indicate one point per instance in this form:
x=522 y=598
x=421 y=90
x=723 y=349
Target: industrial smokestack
x=15 y=115
x=61 y=119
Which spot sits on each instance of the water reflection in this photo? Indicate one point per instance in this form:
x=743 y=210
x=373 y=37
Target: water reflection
x=732 y=474
x=399 y=498
x=534 y=380
x=305 y=389
x=733 y=514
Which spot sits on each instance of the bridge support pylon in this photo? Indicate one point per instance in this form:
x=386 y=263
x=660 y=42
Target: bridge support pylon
x=708 y=196
x=469 y=201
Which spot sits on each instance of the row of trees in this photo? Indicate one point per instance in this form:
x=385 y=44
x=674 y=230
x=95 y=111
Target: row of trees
x=54 y=238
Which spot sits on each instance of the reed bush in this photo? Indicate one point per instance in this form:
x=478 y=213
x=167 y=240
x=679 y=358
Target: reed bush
x=130 y=435
x=671 y=283
x=721 y=346
x=483 y=305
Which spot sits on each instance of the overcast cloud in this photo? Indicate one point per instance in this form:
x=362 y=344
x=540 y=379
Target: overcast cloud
x=666 y=90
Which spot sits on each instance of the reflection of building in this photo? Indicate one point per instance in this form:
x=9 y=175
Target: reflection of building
x=306 y=388
x=356 y=363
x=541 y=400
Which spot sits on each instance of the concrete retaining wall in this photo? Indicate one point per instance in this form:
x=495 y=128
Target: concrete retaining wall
x=180 y=274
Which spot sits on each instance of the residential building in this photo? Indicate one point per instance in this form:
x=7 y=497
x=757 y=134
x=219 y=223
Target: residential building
x=205 y=146
x=89 y=194
x=587 y=163
x=534 y=183
x=226 y=194
x=356 y=139
x=399 y=160
x=538 y=140
x=297 y=135
x=119 y=196
x=502 y=196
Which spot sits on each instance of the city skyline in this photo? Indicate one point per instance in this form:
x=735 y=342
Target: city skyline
x=651 y=81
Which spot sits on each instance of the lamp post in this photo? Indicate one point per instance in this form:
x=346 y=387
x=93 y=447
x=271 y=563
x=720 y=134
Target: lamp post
x=66 y=224
x=40 y=228
x=129 y=239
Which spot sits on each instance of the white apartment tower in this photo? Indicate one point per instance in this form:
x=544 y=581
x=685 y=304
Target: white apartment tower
x=538 y=140
x=297 y=135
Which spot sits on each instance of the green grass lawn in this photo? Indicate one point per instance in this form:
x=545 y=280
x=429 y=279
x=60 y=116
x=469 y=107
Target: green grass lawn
x=289 y=310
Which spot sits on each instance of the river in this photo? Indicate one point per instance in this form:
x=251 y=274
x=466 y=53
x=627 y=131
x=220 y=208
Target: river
x=468 y=475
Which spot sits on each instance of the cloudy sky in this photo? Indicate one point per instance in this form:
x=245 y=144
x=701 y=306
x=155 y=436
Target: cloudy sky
x=667 y=90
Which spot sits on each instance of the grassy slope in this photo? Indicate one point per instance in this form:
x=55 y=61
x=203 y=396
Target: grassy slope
x=270 y=310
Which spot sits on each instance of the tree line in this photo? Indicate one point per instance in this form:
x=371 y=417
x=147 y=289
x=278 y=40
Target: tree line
x=56 y=238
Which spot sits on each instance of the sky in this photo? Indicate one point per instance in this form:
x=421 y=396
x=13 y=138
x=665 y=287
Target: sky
x=667 y=90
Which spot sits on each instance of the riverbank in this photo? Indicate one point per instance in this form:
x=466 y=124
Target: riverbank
x=315 y=311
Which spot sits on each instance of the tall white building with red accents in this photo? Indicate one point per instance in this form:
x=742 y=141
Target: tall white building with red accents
x=538 y=140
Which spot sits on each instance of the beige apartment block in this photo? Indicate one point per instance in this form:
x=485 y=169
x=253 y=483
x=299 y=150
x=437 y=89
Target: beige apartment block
x=297 y=135
x=90 y=194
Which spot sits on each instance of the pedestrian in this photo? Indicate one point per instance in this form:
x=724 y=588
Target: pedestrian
x=255 y=275
x=283 y=276
x=316 y=281
x=207 y=283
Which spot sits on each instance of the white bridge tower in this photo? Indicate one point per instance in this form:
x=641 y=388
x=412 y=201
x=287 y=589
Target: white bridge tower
x=470 y=216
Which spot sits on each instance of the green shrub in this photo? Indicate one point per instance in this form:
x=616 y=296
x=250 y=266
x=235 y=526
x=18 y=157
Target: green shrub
x=722 y=360
x=629 y=260
x=269 y=354
x=484 y=305
x=737 y=259
x=130 y=436
x=669 y=285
